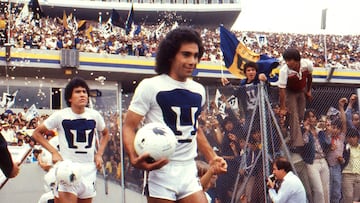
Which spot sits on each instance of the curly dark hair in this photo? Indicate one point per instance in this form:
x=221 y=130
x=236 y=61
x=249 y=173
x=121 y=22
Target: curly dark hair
x=171 y=44
x=291 y=54
x=252 y=65
x=75 y=82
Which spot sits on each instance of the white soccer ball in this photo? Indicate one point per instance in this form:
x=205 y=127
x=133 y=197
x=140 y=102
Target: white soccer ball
x=46 y=157
x=67 y=173
x=157 y=139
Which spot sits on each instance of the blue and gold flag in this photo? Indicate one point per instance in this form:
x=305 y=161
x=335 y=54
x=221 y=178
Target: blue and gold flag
x=236 y=54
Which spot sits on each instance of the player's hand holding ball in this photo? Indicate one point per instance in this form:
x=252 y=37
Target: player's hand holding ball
x=154 y=143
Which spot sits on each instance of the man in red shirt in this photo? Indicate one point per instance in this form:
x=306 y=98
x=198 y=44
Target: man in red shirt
x=295 y=80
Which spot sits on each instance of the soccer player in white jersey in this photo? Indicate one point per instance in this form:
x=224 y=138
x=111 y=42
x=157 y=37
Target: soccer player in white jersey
x=175 y=100
x=77 y=126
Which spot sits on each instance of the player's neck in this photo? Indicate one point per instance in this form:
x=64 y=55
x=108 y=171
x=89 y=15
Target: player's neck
x=78 y=109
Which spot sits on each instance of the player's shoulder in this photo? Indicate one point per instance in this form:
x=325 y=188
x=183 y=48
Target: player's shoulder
x=92 y=111
x=196 y=86
x=60 y=112
x=283 y=67
x=147 y=83
x=306 y=63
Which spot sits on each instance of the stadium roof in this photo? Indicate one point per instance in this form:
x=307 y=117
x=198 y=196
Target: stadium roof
x=209 y=15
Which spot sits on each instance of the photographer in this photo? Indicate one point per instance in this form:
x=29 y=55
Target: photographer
x=290 y=188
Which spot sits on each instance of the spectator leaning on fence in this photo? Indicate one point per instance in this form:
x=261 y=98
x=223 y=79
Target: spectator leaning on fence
x=295 y=80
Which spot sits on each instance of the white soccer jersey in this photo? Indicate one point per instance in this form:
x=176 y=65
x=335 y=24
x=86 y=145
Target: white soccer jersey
x=76 y=133
x=177 y=104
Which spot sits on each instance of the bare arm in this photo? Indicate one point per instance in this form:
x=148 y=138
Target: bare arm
x=104 y=139
x=308 y=86
x=262 y=77
x=209 y=154
x=38 y=136
x=206 y=178
x=342 y=103
x=131 y=123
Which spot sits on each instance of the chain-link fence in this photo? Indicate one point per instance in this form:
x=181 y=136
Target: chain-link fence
x=244 y=125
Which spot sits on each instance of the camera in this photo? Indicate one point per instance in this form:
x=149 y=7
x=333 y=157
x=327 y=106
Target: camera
x=272 y=177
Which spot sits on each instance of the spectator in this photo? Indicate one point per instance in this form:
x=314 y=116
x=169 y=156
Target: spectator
x=8 y=133
x=252 y=169
x=291 y=190
x=334 y=156
x=207 y=175
x=317 y=144
x=352 y=116
x=295 y=80
x=351 y=171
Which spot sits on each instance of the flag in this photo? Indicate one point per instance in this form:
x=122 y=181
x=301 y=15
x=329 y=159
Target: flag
x=8 y=100
x=217 y=98
x=75 y=26
x=261 y=40
x=232 y=101
x=23 y=15
x=64 y=20
x=81 y=25
x=236 y=54
x=89 y=34
x=129 y=20
x=69 y=22
x=116 y=20
x=175 y=25
x=31 y=113
x=36 y=9
x=137 y=30
x=107 y=28
x=158 y=30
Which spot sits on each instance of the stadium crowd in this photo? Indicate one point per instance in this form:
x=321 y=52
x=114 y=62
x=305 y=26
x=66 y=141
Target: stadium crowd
x=226 y=131
x=224 y=128
x=105 y=38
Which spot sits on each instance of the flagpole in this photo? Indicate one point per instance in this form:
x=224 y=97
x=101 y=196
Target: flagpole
x=323 y=27
x=8 y=45
x=221 y=69
x=9 y=21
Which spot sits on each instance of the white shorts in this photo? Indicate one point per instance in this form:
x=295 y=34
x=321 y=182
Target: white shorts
x=174 y=181
x=85 y=188
x=46 y=197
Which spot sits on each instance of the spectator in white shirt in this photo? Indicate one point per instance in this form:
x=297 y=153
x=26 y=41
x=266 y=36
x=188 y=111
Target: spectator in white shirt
x=8 y=133
x=287 y=187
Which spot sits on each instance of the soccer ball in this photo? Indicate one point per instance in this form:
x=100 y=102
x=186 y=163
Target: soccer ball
x=46 y=157
x=67 y=173
x=157 y=139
